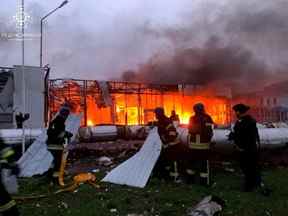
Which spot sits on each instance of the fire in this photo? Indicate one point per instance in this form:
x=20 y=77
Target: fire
x=132 y=105
x=90 y=122
x=184 y=118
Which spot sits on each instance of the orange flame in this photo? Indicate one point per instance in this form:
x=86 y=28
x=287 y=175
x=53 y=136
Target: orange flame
x=134 y=109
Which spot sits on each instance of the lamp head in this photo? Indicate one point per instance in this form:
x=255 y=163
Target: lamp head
x=63 y=3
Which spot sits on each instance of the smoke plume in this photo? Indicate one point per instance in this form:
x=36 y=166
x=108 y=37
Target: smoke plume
x=243 y=45
x=239 y=43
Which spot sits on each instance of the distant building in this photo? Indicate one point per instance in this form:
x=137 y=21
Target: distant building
x=268 y=105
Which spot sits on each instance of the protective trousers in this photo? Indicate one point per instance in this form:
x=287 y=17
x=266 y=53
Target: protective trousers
x=250 y=169
x=198 y=172
x=7 y=205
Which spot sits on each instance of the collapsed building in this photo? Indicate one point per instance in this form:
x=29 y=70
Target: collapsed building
x=123 y=103
x=108 y=103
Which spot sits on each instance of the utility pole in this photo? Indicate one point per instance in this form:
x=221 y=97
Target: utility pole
x=23 y=75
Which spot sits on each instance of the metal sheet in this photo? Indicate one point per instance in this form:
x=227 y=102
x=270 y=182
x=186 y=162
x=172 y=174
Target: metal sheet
x=37 y=159
x=137 y=170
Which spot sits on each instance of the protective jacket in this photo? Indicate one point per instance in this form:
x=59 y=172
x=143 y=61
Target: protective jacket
x=200 y=131
x=245 y=134
x=167 y=131
x=56 y=131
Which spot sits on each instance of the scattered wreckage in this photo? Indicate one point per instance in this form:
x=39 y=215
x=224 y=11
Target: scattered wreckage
x=38 y=159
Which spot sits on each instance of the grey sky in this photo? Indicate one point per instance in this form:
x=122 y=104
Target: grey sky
x=98 y=39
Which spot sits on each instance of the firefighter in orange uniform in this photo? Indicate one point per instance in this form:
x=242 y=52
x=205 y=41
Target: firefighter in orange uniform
x=165 y=167
x=199 y=139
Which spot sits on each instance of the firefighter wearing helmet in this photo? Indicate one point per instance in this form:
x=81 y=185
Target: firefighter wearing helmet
x=199 y=140
x=57 y=135
x=165 y=167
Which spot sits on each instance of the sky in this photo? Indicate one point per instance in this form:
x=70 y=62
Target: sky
x=99 y=39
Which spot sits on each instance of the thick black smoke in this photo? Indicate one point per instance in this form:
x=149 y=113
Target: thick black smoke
x=244 y=45
x=210 y=63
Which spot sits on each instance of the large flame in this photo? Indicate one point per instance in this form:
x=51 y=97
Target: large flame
x=134 y=109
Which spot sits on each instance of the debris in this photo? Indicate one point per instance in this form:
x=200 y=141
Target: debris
x=9 y=181
x=136 y=170
x=105 y=161
x=230 y=170
x=209 y=206
x=268 y=213
x=63 y=205
x=113 y=210
x=95 y=170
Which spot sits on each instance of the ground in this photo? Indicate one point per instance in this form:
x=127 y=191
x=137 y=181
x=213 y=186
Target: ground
x=158 y=198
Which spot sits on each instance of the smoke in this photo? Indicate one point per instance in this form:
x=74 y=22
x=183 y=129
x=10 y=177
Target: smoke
x=212 y=62
x=242 y=43
x=91 y=45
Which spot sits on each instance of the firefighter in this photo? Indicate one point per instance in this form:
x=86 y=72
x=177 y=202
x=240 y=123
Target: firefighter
x=246 y=138
x=7 y=204
x=174 y=117
x=165 y=167
x=56 y=137
x=199 y=139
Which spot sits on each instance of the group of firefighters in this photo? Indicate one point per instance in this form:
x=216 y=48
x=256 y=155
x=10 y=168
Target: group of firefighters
x=188 y=162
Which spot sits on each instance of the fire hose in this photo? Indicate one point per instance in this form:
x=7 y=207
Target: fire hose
x=82 y=178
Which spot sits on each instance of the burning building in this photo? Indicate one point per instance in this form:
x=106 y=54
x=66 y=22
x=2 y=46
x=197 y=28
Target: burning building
x=126 y=103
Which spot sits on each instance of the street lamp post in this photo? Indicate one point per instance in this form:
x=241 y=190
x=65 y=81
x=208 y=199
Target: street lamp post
x=23 y=75
x=41 y=29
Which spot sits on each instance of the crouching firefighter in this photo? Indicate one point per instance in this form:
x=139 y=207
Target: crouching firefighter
x=58 y=137
x=7 y=204
x=199 y=140
x=165 y=167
